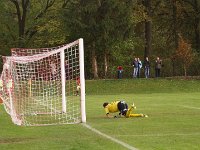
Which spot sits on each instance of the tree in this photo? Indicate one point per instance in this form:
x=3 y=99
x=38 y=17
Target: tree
x=27 y=20
x=184 y=54
x=102 y=24
x=191 y=11
x=148 y=29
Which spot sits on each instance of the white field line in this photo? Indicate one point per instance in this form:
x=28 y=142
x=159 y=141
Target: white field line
x=188 y=107
x=160 y=135
x=109 y=137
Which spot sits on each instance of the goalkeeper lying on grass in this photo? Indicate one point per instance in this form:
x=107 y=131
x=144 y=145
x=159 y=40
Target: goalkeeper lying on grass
x=122 y=108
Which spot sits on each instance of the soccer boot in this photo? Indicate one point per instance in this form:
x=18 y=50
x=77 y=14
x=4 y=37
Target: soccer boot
x=144 y=115
x=133 y=106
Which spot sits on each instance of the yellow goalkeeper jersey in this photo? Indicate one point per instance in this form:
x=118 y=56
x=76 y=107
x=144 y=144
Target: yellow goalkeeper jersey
x=112 y=107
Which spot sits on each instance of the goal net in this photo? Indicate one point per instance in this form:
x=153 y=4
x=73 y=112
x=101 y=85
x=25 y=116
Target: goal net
x=45 y=86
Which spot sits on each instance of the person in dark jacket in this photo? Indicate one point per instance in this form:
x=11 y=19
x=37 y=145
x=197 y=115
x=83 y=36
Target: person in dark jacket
x=119 y=72
x=147 y=67
x=158 y=66
x=135 y=67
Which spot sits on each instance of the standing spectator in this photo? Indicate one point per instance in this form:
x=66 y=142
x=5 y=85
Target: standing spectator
x=135 y=68
x=158 y=65
x=139 y=67
x=119 y=72
x=147 y=67
x=1 y=101
x=53 y=70
x=67 y=75
x=78 y=86
x=1 y=89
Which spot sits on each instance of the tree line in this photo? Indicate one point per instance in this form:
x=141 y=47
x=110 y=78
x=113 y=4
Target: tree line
x=114 y=31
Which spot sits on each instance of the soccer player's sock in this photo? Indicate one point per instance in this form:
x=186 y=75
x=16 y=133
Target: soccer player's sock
x=128 y=112
x=136 y=115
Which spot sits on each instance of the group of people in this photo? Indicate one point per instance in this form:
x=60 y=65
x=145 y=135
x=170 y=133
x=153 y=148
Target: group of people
x=137 y=65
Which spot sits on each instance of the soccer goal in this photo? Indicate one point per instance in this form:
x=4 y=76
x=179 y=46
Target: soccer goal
x=45 y=86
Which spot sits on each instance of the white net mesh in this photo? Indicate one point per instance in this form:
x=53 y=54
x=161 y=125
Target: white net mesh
x=30 y=52
x=39 y=86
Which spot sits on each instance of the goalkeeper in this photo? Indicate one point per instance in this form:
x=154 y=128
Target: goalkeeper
x=122 y=108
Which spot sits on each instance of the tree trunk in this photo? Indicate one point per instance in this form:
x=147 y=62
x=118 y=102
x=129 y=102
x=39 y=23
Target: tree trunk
x=175 y=28
x=21 y=11
x=185 y=70
x=94 y=64
x=148 y=30
x=173 y=66
x=148 y=39
x=197 y=36
x=21 y=15
x=175 y=31
x=105 y=64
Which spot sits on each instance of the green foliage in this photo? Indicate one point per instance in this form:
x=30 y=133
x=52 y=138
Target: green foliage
x=112 y=28
x=8 y=28
x=105 y=26
x=42 y=25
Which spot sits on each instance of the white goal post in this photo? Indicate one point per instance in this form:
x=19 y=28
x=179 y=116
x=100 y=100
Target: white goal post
x=42 y=86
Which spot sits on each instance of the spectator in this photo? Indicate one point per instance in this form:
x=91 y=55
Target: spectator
x=139 y=67
x=135 y=68
x=78 y=86
x=147 y=67
x=67 y=74
x=1 y=101
x=119 y=72
x=158 y=66
x=53 y=70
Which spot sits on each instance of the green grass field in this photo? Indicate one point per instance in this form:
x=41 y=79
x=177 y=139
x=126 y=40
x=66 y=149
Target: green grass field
x=173 y=107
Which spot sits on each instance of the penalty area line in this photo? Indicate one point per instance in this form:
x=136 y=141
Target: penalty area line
x=109 y=137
